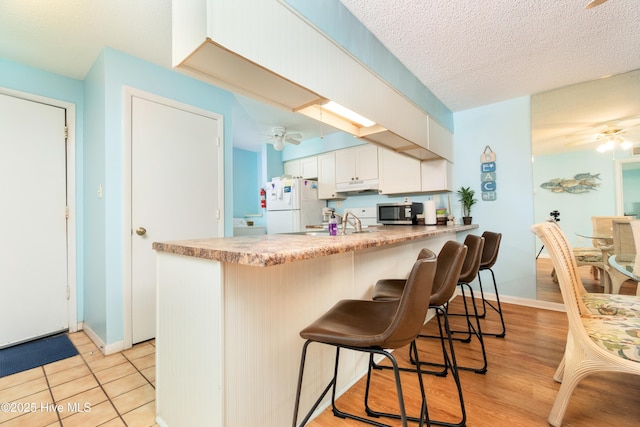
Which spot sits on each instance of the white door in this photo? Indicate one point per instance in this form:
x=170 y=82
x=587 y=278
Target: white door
x=174 y=193
x=33 y=225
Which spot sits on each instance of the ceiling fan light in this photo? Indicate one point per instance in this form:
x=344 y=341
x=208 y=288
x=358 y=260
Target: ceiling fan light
x=601 y=148
x=625 y=145
x=278 y=145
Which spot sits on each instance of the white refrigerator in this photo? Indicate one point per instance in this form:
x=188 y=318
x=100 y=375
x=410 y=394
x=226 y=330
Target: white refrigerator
x=292 y=204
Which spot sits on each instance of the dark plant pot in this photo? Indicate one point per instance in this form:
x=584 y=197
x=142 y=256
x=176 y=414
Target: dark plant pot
x=466 y=220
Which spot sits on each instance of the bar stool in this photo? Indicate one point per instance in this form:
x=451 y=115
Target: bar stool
x=489 y=258
x=449 y=265
x=372 y=327
x=469 y=272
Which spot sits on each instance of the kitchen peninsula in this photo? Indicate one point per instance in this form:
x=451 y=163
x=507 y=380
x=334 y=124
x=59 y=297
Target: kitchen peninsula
x=230 y=310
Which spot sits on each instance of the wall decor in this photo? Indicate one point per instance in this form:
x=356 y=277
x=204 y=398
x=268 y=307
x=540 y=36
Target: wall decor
x=580 y=183
x=488 y=174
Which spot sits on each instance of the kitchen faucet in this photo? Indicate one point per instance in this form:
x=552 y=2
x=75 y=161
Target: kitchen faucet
x=355 y=221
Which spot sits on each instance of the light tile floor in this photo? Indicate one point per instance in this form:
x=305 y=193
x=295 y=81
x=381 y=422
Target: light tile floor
x=86 y=390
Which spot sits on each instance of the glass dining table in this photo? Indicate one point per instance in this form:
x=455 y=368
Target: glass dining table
x=623 y=267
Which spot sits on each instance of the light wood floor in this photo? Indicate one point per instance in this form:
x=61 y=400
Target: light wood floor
x=518 y=388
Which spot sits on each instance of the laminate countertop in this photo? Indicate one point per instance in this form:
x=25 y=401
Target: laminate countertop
x=274 y=249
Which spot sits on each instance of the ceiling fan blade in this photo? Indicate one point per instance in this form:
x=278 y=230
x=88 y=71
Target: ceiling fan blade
x=595 y=3
x=291 y=140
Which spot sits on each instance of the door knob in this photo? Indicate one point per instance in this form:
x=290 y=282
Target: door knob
x=141 y=231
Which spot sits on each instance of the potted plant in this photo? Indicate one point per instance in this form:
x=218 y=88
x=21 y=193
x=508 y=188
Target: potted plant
x=465 y=196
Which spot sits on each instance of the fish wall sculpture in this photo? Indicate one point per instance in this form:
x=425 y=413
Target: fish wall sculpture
x=580 y=183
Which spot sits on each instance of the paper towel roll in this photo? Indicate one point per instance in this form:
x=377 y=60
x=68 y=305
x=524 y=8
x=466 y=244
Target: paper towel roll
x=430 y=212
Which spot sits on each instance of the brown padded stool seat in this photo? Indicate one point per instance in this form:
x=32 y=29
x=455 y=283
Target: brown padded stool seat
x=391 y=289
x=373 y=327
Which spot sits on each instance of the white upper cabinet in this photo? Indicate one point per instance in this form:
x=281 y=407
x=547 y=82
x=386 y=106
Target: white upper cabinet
x=309 y=167
x=292 y=167
x=357 y=163
x=440 y=140
x=398 y=173
x=306 y=167
x=327 y=177
x=437 y=175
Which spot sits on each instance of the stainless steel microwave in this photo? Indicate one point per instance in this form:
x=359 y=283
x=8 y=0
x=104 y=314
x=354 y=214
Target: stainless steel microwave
x=403 y=213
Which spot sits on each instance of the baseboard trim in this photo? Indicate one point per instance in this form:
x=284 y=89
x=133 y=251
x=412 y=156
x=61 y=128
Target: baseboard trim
x=104 y=348
x=526 y=302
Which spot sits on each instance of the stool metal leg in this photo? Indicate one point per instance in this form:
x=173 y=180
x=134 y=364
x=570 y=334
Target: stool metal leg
x=332 y=386
x=299 y=388
x=448 y=364
x=424 y=414
x=472 y=330
x=497 y=308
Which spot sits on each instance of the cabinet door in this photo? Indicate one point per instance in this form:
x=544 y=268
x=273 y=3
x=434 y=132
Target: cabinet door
x=437 y=175
x=345 y=165
x=327 y=177
x=398 y=173
x=309 y=167
x=292 y=167
x=357 y=163
x=440 y=140
x=366 y=159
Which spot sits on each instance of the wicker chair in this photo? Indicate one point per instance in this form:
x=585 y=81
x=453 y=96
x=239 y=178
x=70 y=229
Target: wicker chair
x=596 y=255
x=635 y=229
x=594 y=343
x=623 y=244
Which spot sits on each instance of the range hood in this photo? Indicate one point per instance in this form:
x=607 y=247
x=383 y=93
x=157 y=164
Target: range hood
x=358 y=186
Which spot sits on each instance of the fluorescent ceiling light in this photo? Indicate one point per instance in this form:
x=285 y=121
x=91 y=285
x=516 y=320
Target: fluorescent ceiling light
x=338 y=109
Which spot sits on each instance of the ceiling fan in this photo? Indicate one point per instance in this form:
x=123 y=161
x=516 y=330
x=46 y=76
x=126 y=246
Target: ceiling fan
x=279 y=136
x=595 y=3
x=603 y=131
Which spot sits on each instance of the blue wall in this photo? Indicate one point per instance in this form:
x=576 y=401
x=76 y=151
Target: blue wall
x=631 y=188
x=506 y=128
x=103 y=164
x=246 y=181
x=576 y=210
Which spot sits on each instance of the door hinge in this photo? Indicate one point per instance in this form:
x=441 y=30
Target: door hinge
x=66 y=132
x=68 y=292
x=217 y=213
x=66 y=212
x=218 y=142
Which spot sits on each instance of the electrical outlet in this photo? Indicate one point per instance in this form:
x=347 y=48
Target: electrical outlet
x=339 y=204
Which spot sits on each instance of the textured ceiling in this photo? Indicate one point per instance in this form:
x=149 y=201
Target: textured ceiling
x=469 y=53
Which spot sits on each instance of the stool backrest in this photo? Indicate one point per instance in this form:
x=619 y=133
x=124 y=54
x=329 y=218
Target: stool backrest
x=472 y=260
x=411 y=310
x=427 y=254
x=490 y=251
x=450 y=260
